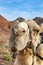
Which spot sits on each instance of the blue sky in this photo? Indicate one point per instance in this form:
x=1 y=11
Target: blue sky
x=12 y=9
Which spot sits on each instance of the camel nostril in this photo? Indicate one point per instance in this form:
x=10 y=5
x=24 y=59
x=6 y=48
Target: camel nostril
x=41 y=34
x=42 y=40
x=17 y=35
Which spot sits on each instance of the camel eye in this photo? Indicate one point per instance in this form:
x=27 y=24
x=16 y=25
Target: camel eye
x=37 y=30
x=23 y=31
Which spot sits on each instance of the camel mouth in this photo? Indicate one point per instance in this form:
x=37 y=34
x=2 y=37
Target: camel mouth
x=41 y=35
x=42 y=39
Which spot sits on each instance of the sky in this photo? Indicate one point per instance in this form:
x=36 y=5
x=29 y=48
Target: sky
x=28 y=9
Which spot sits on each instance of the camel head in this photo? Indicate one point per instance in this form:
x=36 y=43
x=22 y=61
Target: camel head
x=20 y=36
x=35 y=28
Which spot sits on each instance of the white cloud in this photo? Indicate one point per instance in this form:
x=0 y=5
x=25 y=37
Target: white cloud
x=14 y=1
x=10 y=1
x=0 y=0
x=17 y=0
x=41 y=5
x=12 y=14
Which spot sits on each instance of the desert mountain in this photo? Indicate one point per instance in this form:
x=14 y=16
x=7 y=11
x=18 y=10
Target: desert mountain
x=4 y=24
x=39 y=20
x=5 y=31
x=19 y=19
x=3 y=21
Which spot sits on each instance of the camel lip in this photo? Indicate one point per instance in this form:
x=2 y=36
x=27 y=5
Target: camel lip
x=41 y=42
x=41 y=34
x=41 y=39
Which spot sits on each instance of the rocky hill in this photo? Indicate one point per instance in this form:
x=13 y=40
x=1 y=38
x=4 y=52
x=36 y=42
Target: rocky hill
x=19 y=19
x=5 y=31
x=39 y=20
x=4 y=24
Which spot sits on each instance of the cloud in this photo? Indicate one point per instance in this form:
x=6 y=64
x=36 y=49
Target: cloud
x=0 y=0
x=41 y=5
x=10 y=1
x=17 y=0
x=14 y=1
x=27 y=6
x=12 y=14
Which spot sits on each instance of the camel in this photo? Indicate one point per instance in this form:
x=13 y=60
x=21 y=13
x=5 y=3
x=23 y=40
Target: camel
x=39 y=50
x=36 y=30
x=20 y=44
